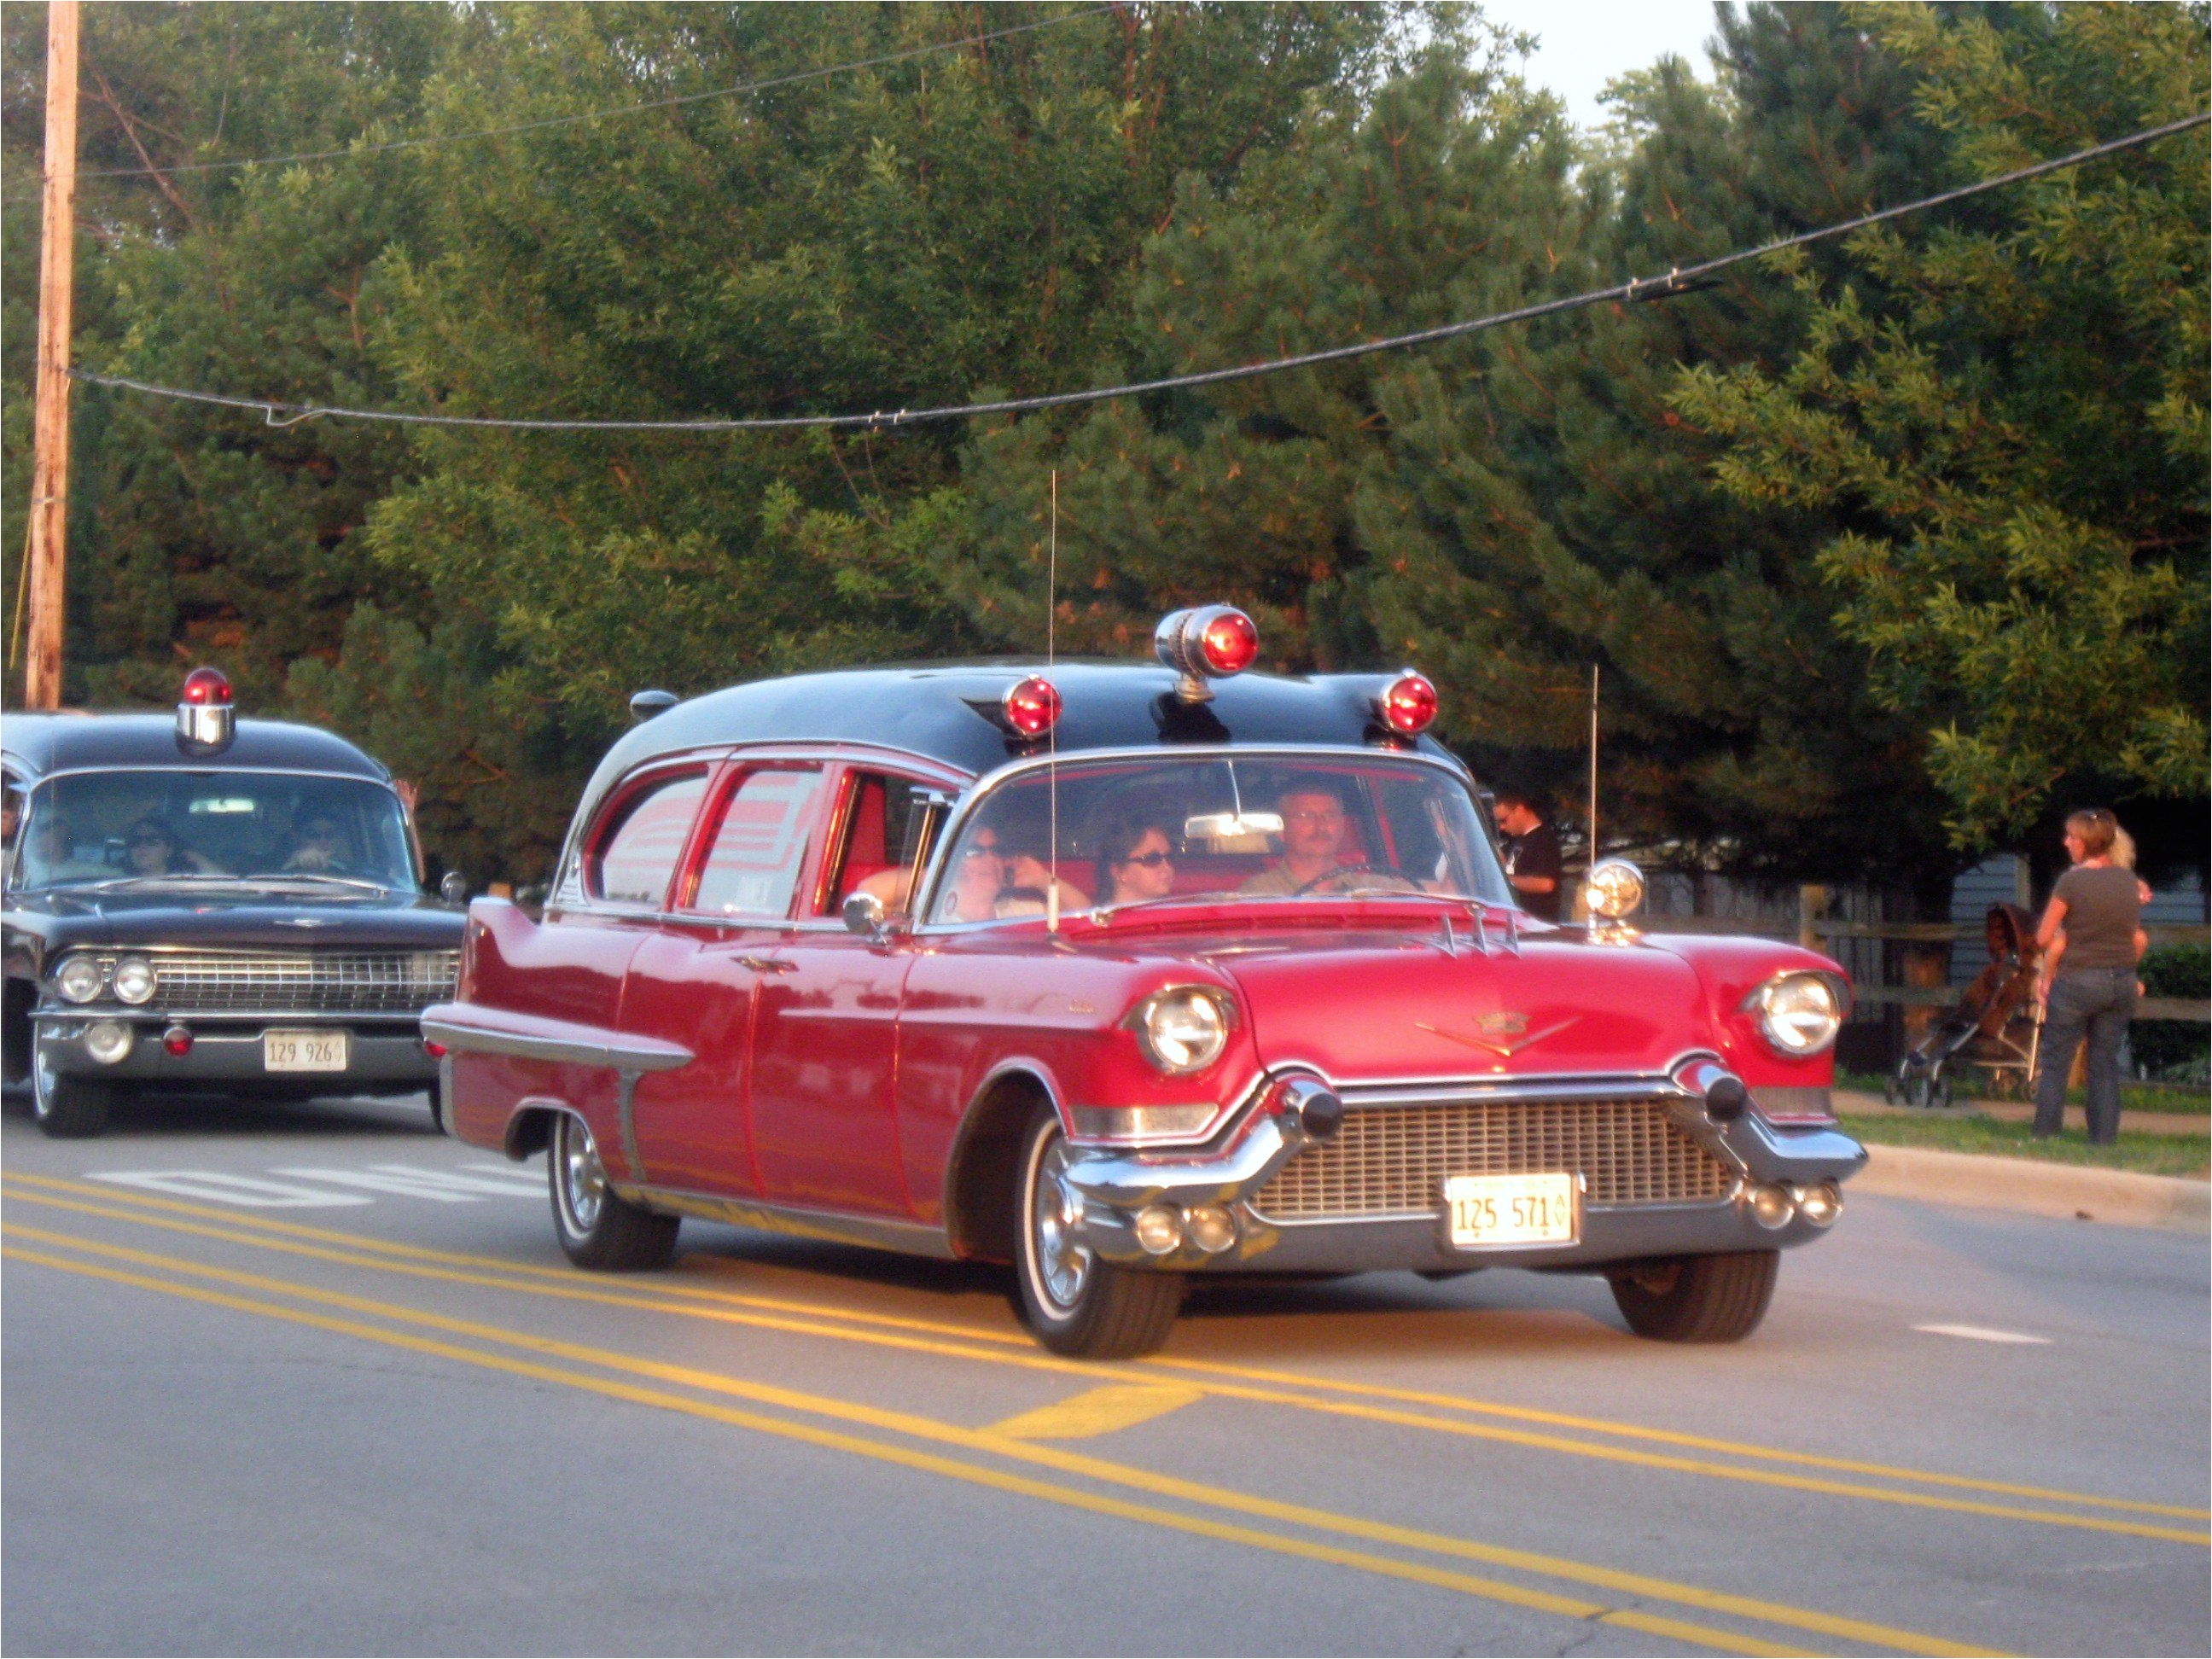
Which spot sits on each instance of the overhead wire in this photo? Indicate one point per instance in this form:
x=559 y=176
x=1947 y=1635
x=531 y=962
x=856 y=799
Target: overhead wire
x=1637 y=290
x=793 y=79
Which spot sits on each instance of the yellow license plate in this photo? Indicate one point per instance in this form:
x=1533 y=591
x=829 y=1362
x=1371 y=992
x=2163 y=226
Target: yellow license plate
x=1485 y=1211
x=303 y=1051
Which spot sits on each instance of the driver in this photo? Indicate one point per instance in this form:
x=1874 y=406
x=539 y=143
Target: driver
x=1317 y=838
x=320 y=845
x=151 y=849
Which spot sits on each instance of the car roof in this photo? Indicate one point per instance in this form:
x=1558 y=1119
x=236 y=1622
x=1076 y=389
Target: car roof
x=949 y=713
x=37 y=744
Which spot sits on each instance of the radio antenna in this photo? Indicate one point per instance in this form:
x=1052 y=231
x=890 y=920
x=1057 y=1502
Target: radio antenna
x=1593 y=770
x=1052 y=737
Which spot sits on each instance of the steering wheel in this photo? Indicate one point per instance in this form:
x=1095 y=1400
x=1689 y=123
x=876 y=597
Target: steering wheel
x=1385 y=881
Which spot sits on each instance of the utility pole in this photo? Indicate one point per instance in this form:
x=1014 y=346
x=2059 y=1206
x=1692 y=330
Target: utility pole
x=46 y=572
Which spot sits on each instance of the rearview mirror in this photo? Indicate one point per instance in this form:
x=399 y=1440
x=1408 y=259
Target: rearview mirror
x=454 y=888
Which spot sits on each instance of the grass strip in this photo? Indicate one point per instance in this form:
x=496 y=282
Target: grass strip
x=2165 y=1155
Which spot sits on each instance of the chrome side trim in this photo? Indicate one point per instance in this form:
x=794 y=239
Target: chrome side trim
x=474 y=1029
x=872 y=1232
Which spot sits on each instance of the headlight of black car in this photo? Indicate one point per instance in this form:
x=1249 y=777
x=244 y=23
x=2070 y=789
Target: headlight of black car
x=79 y=979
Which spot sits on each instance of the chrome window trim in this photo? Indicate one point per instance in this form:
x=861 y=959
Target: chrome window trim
x=983 y=786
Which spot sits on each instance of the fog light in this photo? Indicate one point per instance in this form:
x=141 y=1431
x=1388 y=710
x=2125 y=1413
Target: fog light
x=107 y=1041
x=1213 y=1227
x=177 y=1041
x=1771 y=1207
x=1819 y=1205
x=1159 y=1229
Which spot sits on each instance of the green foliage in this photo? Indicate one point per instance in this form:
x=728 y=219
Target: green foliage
x=2168 y=1048
x=2007 y=411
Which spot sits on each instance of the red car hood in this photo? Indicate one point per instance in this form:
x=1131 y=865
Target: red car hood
x=1371 y=1007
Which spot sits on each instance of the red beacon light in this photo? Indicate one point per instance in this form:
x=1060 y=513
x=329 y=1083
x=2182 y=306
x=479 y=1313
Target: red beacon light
x=1407 y=705
x=1208 y=642
x=1031 y=707
x=206 y=722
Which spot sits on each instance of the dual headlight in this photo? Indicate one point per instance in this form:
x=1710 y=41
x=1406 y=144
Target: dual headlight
x=1183 y=1029
x=81 y=978
x=1798 y=1013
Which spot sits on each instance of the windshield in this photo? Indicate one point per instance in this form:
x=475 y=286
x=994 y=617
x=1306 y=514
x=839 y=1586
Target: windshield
x=1260 y=828
x=171 y=827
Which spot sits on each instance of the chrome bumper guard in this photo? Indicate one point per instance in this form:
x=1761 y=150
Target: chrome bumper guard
x=1784 y=1191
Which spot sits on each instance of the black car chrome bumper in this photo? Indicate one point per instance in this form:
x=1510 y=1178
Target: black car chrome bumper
x=1782 y=1187
x=384 y=1054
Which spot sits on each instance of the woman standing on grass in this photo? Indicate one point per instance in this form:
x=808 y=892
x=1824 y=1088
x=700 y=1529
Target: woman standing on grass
x=2091 y=940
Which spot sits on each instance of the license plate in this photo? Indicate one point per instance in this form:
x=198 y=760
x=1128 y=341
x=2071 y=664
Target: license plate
x=1485 y=1211
x=303 y=1051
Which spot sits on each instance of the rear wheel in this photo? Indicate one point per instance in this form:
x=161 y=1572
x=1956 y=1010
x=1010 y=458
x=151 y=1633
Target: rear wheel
x=1075 y=1303
x=598 y=1229
x=67 y=1108
x=1698 y=1298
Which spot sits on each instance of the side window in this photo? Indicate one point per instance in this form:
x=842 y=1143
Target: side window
x=635 y=854
x=752 y=864
x=883 y=823
x=11 y=816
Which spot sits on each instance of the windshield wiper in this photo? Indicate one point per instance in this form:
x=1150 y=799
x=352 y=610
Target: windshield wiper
x=318 y=875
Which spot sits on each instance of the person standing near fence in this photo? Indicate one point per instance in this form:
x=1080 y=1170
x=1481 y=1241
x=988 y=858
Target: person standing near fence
x=2091 y=937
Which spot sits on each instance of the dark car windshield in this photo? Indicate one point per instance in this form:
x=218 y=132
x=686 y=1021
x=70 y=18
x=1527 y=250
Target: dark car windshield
x=173 y=827
x=1258 y=829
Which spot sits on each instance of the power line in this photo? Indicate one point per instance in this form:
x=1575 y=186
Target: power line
x=793 y=80
x=1676 y=281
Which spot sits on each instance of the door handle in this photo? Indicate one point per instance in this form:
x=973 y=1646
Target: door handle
x=767 y=965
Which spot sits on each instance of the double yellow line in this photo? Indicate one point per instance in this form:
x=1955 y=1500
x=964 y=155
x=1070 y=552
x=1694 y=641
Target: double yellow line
x=1324 y=1395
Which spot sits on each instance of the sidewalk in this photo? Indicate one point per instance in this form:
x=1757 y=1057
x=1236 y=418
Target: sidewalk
x=2031 y=1186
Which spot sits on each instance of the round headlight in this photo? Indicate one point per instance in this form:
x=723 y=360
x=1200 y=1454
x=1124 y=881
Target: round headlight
x=79 y=979
x=134 y=979
x=1615 y=889
x=1183 y=1029
x=1799 y=1013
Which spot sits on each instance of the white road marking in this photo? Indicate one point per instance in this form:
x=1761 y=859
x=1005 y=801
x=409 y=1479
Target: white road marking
x=1982 y=1334
x=249 y=1192
x=439 y=1186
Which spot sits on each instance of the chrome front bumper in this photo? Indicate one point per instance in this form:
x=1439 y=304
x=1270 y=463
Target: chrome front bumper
x=1785 y=1164
x=384 y=1054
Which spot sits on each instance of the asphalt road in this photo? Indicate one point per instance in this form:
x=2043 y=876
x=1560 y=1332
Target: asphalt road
x=316 y=1380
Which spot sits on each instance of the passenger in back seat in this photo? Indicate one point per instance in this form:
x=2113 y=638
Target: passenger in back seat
x=1135 y=862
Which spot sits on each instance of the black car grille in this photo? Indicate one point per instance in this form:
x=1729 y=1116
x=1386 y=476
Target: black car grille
x=1394 y=1160
x=306 y=981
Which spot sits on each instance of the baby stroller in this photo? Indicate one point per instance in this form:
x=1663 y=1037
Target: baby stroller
x=1993 y=1025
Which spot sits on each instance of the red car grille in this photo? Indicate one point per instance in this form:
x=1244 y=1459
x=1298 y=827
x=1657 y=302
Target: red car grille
x=1392 y=1160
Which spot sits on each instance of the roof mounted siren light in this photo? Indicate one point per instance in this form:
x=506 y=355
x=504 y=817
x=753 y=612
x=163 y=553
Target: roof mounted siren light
x=206 y=722
x=1031 y=707
x=644 y=705
x=1207 y=642
x=1407 y=705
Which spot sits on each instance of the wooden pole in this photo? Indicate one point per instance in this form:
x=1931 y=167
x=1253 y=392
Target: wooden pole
x=47 y=574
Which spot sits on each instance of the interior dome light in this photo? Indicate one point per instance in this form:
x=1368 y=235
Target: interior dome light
x=1407 y=704
x=1032 y=706
x=1209 y=642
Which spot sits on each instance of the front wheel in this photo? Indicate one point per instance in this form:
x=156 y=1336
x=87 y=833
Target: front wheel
x=1074 y=1302
x=67 y=1108
x=597 y=1228
x=1698 y=1298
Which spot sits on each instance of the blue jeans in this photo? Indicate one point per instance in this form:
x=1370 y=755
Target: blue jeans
x=2098 y=1003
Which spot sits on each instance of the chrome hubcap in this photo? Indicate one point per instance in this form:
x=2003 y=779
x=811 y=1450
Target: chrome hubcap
x=583 y=1180
x=1062 y=1260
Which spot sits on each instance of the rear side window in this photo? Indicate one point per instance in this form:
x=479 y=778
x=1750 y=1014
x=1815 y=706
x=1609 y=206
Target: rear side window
x=759 y=846
x=639 y=849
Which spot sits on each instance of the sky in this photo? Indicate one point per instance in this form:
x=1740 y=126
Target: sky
x=1585 y=43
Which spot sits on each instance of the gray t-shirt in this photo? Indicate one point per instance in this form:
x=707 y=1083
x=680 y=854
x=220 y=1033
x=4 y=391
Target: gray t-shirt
x=2102 y=908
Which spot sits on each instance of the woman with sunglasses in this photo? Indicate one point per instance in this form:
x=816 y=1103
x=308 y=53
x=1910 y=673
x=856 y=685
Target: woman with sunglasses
x=152 y=850
x=1135 y=862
